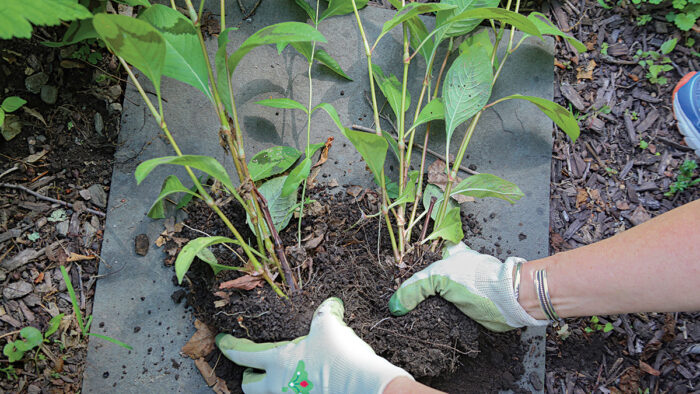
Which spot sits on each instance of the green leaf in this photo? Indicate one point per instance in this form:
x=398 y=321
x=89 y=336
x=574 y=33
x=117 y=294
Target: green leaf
x=560 y=115
x=280 y=206
x=184 y=60
x=18 y=16
x=207 y=164
x=668 y=46
x=467 y=87
x=193 y=249
x=434 y=110
x=281 y=32
x=12 y=104
x=171 y=185
x=139 y=43
x=321 y=56
x=296 y=177
x=73 y=298
x=450 y=229
x=11 y=351
x=272 y=161
x=371 y=147
x=32 y=338
x=11 y=127
x=331 y=112
x=135 y=3
x=504 y=16
x=54 y=323
x=431 y=191
x=2 y=117
x=77 y=31
x=409 y=192
x=391 y=88
x=410 y=11
x=307 y=8
x=341 y=7
x=487 y=185
x=545 y=26
x=418 y=34
x=110 y=339
x=392 y=143
x=282 y=103
x=466 y=25
x=685 y=22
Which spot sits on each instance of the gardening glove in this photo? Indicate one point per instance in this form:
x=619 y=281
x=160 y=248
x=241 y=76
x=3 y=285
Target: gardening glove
x=331 y=359
x=478 y=284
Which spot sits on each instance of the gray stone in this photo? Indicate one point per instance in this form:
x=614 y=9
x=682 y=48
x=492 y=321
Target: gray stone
x=33 y=83
x=114 y=92
x=17 y=290
x=32 y=300
x=49 y=94
x=116 y=107
x=62 y=228
x=99 y=123
x=513 y=141
x=98 y=195
x=88 y=233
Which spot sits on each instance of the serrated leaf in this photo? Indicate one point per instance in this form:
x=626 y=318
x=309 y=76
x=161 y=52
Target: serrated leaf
x=280 y=206
x=412 y=10
x=391 y=88
x=685 y=22
x=545 y=26
x=434 y=110
x=282 y=103
x=467 y=87
x=171 y=185
x=431 y=191
x=184 y=60
x=206 y=164
x=139 y=43
x=272 y=161
x=450 y=228
x=281 y=32
x=560 y=115
x=18 y=16
x=487 y=185
x=371 y=147
x=464 y=26
x=296 y=177
x=341 y=7
x=12 y=104
x=193 y=248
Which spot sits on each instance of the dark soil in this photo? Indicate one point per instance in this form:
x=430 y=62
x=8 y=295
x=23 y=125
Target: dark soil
x=428 y=342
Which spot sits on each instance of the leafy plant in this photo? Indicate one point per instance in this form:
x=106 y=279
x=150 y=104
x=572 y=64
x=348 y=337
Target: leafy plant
x=84 y=325
x=30 y=338
x=86 y=54
x=163 y=42
x=683 y=13
x=643 y=144
x=464 y=96
x=685 y=178
x=10 y=125
x=596 y=326
x=643 y=19
x=648 y=59
x=19 y=16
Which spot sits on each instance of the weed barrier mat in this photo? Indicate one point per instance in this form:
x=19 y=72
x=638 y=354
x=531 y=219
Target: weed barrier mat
x=132 y=300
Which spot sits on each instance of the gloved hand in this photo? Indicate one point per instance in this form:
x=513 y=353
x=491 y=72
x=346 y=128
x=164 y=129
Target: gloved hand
x=331 y=359
x=478 y=284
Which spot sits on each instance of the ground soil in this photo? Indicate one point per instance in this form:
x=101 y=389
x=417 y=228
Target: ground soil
x=337 y=259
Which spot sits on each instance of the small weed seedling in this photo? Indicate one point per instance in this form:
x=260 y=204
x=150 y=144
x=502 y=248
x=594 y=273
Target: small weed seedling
x=10 y=125
x=685 y=178
x=643 y=144
x=596 y=326
x=85 y=325
x=30 y=338
x=649 y=61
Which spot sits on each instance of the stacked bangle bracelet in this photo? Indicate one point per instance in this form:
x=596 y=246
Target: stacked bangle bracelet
x=516 y=280
x=542 y=290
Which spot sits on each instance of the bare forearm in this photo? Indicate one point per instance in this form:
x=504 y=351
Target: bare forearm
x=405 y=385
x=653 y=267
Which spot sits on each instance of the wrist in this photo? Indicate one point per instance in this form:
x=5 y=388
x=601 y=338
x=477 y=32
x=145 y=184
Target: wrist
x=528 y=293
x=403 y=384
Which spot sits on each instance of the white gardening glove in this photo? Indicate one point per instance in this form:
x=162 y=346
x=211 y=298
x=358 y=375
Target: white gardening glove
x=331 y=359
x=478 y=284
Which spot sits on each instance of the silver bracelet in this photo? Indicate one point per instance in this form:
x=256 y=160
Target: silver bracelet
x=542 y=289
x=516 y=280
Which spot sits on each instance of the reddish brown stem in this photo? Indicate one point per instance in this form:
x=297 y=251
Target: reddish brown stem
x=279 y=250
x=427 y=219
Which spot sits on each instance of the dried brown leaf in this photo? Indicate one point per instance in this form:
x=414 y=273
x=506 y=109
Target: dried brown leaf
x=206 y=371
x=246 y=282
x=438 y=177
x=202 y=342
x=648 y=368
x=314 y=242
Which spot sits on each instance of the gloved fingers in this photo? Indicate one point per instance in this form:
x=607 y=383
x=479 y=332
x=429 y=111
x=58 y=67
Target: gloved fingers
x=253 y=382
x=453 y=249
x=330 y=312
x=248 y=353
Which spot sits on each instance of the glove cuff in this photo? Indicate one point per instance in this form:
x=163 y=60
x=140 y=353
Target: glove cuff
x=514 y=314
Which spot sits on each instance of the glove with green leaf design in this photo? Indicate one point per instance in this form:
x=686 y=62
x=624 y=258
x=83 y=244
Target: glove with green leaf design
x=478 y=284
x=331 y=359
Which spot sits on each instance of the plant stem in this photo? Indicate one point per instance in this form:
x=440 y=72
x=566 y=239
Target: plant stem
x=202 y=191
